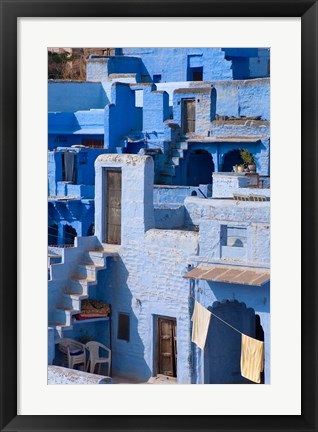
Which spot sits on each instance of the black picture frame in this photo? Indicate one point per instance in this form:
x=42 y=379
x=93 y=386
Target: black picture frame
x=10 y=11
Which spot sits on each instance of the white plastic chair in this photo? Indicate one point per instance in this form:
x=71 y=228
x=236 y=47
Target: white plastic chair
x=74 y=352
x=94 y=357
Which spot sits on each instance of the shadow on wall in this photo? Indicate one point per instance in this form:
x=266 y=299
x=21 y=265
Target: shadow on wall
x=223 y=349
x=127 y=347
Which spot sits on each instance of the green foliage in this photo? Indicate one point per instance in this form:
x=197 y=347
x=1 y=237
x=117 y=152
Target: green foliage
x=247 y=157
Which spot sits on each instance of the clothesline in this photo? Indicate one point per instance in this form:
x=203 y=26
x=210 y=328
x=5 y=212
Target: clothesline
x=213 y=314
x=252 y=350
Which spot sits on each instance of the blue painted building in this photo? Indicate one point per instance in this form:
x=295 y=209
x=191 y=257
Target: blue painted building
x=71 y=193
x=215 y=251
x=165 y=132
x=193 y=120
x=75 y=113
x=183 y=64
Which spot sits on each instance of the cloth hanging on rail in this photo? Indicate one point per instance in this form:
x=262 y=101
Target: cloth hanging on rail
x=252 y=358
x=69 y=159
x=201 y=320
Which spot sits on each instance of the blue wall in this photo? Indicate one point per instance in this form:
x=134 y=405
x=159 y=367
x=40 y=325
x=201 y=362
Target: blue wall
x=178 y=64
x=99 y=68
x=155 y=110
x=68 y=128
x=173 y=64
x=71 y=96
x=121 y=116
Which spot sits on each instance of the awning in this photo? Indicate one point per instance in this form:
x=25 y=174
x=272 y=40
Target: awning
x=229 y=274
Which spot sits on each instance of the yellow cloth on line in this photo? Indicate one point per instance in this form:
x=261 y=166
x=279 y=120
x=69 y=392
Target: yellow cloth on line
x=252 y=358
x=201 y=321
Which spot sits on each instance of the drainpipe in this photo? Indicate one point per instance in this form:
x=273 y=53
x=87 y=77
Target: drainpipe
x=110 y=338
x=191 y=307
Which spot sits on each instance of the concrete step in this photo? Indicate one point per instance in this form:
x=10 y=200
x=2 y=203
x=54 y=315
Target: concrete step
x=80 y=285
x=180 y=145
x=59 y=329
x=88 y=270
x=97 y=257
x=166 y=175
x=177 y=153
x=73 y=300
x=169 y=168
x=172 y=160
x=63 y=314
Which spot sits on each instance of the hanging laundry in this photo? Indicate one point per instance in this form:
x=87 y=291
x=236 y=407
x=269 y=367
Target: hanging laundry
x=69 y=159
x=252 y=358
x=201 y=321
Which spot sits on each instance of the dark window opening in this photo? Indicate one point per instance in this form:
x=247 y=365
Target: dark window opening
x=145 y=78
x=157 y=78
x=69 y=235
x=91 y=230
x=123 y=327
x=195 y=74
x=69 y=167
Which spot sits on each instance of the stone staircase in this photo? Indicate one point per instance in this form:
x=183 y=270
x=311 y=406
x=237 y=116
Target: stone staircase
x=172 y=163
x=77 y=289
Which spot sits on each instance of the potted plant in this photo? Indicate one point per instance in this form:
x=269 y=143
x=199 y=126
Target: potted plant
x=248 y=159
x=240 y=168
x=235 y=168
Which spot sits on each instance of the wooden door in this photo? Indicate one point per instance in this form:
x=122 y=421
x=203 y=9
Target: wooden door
x=113 y=206
x=167 y=347
x=188 y=116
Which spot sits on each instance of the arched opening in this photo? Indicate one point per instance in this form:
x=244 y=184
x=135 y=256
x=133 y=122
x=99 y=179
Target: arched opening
x=230 y=159
x=199 y=168
x=53 y=235
x=91 y=230
x=222 y=356
x=69 y=235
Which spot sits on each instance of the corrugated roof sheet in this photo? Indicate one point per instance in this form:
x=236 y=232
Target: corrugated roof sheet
x=229 y=274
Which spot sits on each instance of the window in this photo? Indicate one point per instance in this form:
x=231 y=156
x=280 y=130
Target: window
x=123 y=327
x=157 y=78
x=233 y=242
x=69 y=167
x=197 y=74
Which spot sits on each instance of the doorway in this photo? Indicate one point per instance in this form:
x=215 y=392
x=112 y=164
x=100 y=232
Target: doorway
x=200 y=167
x=113 y=207
x=188 y=116
x=166 y=352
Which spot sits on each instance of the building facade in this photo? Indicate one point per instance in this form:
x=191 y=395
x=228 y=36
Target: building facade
x=219 y=256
